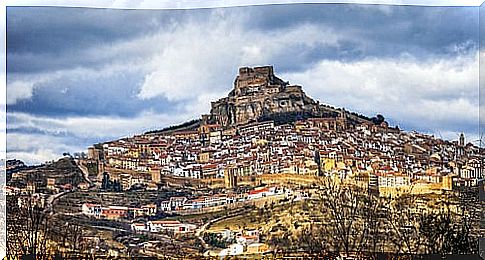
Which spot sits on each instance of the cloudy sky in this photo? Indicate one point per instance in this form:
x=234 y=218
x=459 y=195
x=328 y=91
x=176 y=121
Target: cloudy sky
x=76 y=76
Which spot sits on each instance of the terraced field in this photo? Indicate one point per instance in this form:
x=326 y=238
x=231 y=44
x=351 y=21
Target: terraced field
x=64 y=171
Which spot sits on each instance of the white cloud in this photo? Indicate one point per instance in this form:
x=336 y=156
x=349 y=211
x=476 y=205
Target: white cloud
x=181 y=61
x=200 y=58
x=36 y=149
x=21 y=89
x=35 y=157
x=436 y=94
x=95 y=127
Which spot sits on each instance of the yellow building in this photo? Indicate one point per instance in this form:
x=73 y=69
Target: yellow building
x=329 y=164
x=51 y=183
x=417 y=188
x=257 y=248
x=230 y=177
x=204 y=157
x=447 y=183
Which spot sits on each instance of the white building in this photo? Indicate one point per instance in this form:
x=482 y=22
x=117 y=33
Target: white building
x=234 y=249
x=393 y=180
x=91 y=209
x=139 y=227
x=170 y=225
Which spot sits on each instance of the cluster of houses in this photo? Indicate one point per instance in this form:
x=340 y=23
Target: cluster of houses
x=157 y=226
x=180 y=203
x=316 y=146
x=117 y=212
x=208 y=201
x=12 y=190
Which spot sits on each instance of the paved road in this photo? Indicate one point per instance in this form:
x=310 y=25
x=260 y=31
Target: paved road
x=110 y=228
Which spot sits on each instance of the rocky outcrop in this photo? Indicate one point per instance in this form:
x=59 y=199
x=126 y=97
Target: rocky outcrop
x=259 y=95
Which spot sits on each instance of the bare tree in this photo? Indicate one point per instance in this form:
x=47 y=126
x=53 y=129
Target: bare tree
x=403 y=219
x=68 y=237
x=428 y=230
x=27 y=229
x=373 y=217
x=446 y=232
x=356 y=221
x=351 y=215
x=313 y=239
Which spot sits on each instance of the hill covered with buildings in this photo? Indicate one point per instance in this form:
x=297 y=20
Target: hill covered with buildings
x=267 y=126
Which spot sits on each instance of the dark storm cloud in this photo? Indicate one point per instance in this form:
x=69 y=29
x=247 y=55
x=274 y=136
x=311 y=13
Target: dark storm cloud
x=384 y=30
x=44 y=38
x=114 y=95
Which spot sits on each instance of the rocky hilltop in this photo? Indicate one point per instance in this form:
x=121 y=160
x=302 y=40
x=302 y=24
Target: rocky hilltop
x=259 y=95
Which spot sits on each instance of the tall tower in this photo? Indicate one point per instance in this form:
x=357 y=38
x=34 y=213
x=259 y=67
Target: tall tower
x=318 y=161
x=462 y=140
x=460 y=149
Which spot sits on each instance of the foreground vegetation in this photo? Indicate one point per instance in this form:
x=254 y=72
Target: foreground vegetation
x=337 y=219
x=347 y=219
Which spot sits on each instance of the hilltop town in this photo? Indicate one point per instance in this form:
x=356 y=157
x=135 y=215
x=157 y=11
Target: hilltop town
x=267 y=144
x=243 y=138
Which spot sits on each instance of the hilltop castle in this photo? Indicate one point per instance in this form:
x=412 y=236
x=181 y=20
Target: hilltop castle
x=259 y=95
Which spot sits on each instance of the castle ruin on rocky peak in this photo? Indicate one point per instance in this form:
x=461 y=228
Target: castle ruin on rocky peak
x=259 y=95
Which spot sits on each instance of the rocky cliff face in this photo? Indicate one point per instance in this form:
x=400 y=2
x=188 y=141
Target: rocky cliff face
x=259 y=95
